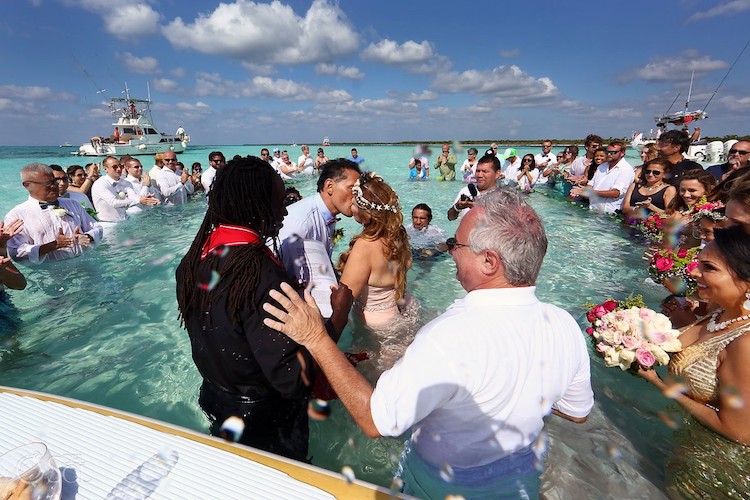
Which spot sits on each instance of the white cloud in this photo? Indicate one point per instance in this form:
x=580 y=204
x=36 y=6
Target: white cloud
x=165 y=85
x=144 y=65
x=727 y=8
x=509 y=85
x=33 y=93
x=211 y=84
x=410 y=55
x=376 y=107
x=623 y=113
x=350 y=72
x=676 y=68
x=267 y=33
x=198 y=107
x=260 y=69
x=425 y=95
x=126 y=20
x=178 y=72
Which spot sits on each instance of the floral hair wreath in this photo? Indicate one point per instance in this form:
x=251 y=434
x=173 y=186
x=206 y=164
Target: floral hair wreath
x=713 y=210
x=363 y=202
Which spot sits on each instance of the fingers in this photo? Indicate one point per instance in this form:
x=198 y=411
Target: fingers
x=277 y=313
x=60 y=232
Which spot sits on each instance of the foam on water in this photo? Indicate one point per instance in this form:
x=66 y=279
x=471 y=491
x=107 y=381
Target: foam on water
x=104 y=328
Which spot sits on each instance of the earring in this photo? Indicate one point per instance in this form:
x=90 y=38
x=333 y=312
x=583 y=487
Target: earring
x=746 y=304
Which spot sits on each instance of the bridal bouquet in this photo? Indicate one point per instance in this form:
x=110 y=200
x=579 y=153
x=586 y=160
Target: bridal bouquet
x=652 y=227
x=672 y=269
x=631 y=336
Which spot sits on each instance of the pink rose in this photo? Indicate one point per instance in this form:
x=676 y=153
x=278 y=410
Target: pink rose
x=603 y=346
x=645 y=358
x=590 y=331
x=599 y=311
x=610 y=305
x=657 y=338
x=630 y=342
x=682 y=253
x=691 y=265
x=664 y=264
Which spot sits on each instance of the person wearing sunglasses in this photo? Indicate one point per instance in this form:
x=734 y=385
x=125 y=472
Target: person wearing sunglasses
x=53 y=228
x=469 y=386
x=738 y=157
x=607 y=189
x=650 y=193
x=672 y=146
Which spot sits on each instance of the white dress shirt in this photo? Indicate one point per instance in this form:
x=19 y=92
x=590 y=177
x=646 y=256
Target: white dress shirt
x=511 y=170
x=307 y=219
x=79 y=198
x=42 y=226
x=474 y=389
x=618 y=177
x=207 y=178
x=172 y=188
x=112 y=198
x=307 y=164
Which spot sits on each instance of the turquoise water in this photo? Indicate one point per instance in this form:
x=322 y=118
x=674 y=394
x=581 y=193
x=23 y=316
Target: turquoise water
x=103 y=327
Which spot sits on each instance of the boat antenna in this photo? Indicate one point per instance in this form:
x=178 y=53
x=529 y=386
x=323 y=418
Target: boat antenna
x=126 y=91
x=690 y=92
x=99 y=90
x=725 y=76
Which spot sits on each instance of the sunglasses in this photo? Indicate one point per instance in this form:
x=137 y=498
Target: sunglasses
x=613 y=152
x=527 y=160
x=169 y=159
x=738 y=152
x=451 y=243
x=652 y=172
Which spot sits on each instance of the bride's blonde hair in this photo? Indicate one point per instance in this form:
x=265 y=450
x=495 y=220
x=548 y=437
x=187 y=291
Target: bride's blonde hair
x=382 y=220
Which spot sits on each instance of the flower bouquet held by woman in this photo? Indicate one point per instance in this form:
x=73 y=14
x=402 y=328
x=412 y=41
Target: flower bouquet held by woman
x=630 y=336
x=672 y=269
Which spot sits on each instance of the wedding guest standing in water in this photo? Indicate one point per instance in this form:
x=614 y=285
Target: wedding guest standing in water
x=477 y=381
x=53 y=228
x=249 y=370
x=710 y=378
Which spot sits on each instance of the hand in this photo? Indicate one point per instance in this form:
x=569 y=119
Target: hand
x=145 y=179
x=299 y=320
x=63 y=241
x=80 y=238
x=184 y=177
x=9 y=231
x=149 y=200
x=341 y=298
x=93 y=171
x=649 y=375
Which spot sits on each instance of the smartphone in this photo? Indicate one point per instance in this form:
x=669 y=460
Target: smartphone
x=473 y=190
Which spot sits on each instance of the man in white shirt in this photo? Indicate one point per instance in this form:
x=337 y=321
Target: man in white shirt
x=511 y=167
x=141 y=184
x=52 y=228
x=476 y=383
x=611 y=181
x=305 y=163
x=276 y=158
x=314 y=217
x=113 y=195
x=544 y=160
x=174 y=188
x=216 y=160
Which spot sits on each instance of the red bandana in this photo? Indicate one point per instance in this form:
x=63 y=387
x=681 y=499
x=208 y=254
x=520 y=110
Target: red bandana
x=233 y=236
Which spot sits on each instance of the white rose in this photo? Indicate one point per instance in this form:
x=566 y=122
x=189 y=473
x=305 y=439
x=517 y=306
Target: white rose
x=121 y=195
x=672 y=345
x=626 y=358
x=60 y=212
x=661 y=357
x=661 y=323
x=611 y=357
x=608 y=336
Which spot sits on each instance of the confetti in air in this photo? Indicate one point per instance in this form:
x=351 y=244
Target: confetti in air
x=318 y=409
x=348 y=474
x=232 y=429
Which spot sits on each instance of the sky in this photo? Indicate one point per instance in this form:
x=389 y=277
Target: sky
x=243 y=72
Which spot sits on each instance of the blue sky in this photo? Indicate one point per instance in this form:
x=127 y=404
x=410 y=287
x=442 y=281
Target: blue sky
x=386 y=70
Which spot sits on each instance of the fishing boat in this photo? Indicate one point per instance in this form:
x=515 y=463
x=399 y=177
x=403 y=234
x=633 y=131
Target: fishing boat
x=134 y=132
x=326 y=142
x=100 y=452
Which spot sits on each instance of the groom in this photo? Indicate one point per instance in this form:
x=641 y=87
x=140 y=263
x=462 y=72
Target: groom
x=473 y=390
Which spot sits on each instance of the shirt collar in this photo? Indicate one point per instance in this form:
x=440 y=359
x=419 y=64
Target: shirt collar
x=328 y=217
x=515 y=296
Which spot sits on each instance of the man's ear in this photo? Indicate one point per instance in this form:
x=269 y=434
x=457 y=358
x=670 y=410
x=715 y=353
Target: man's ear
x=328 y=187
x=492 y=262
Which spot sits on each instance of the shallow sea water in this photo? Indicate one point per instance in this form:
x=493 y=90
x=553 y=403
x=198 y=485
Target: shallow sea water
x=103 y=328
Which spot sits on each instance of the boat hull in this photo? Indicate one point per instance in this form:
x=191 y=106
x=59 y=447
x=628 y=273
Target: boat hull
x=134 y=149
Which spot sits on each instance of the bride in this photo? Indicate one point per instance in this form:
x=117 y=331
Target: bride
x=710 y=378
x=375 y=266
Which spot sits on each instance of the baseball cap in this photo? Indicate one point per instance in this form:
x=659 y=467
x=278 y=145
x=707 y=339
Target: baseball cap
x=510 y=152
x=275 y=150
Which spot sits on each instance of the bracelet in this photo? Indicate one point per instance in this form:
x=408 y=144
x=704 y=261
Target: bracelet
x=456 y=208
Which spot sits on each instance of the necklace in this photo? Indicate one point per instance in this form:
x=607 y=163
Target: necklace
x=654 y=187
x=712 y=326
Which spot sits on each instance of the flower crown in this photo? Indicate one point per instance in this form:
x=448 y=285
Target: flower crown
x=714 y=210
x=363 y=202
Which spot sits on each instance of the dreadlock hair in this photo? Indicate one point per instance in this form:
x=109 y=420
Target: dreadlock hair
x=243 y=194
x=383 y=225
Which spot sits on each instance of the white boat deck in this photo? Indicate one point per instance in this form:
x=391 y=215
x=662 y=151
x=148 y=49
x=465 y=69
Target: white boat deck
x=105 y=456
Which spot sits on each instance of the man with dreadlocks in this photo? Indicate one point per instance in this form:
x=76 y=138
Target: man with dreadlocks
x=249 y=371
